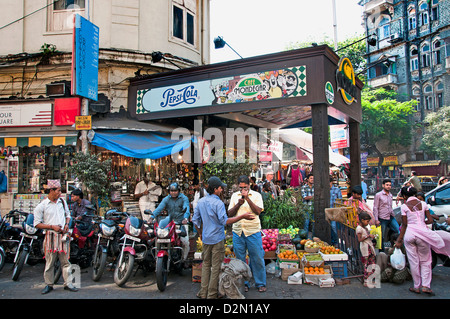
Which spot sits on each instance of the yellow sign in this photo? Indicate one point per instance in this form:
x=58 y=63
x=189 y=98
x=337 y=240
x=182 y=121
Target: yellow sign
x=387 y=161
x=346 y=79
x=83 y=122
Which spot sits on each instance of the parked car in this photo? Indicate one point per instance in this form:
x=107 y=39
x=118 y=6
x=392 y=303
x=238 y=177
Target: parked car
x=439 y=200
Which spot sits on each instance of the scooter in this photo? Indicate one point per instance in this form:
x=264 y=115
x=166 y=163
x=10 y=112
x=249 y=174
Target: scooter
x=110 y=232
x=30 y=249
x=136 y=246
x=169 y=251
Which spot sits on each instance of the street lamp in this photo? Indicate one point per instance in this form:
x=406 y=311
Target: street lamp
x=158 y=56
x=372 y=41
x=219 y=43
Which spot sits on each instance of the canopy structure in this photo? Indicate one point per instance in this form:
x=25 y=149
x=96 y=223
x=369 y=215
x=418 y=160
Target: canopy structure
x=138 y=144
x=303 y=141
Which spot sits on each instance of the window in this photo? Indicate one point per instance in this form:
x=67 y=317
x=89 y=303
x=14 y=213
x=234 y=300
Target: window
x=69 y=4
x=416 y=96
x=425 y=59
x=412 y=19
x=184 y=20
x=60 y=15
x=414 y=59
x=428 y=90
x=423 y=14
x=435 y=10
x=437 y=52
x=439 y=95
x=384 y=29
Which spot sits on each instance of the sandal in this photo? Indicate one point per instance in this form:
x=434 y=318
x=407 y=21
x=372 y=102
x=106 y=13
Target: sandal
x=262 y=289
x=414 y=290
x=428 y=291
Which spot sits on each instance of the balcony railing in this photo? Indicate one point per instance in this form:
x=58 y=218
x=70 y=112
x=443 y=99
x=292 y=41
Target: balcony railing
x=383 y=80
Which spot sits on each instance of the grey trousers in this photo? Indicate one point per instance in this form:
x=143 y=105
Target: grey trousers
x=213 y=256
x=49 y=272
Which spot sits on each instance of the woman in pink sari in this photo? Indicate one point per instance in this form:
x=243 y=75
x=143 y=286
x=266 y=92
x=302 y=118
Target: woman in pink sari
x=419 y=240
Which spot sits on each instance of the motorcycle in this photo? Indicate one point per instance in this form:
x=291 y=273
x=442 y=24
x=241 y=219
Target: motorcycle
x=9 y=237
x=169 y=251
x=136 y=246
x=31 y=245
x=110 y=232
x=82 y=244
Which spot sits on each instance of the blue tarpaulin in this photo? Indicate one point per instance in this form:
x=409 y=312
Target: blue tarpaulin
x=139 y=144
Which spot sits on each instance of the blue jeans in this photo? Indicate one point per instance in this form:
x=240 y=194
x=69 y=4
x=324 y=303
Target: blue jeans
x=253 y=244
x=308 y=217
x=334 y=238
x=392 y=224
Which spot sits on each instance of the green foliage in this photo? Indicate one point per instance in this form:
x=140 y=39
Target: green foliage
x=93 y=174
x=354 y=52
x=284 y=211
x=436 y=139
x=384 y=118
x=228 y=172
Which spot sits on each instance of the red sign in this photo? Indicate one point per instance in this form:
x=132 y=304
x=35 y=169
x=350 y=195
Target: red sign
x=66 y=110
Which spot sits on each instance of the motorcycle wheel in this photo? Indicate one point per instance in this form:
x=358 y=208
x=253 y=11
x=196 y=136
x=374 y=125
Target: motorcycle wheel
x=123 y=270
x=99 y=264
x=161 y=273
x=18 y=265
x=2 y=259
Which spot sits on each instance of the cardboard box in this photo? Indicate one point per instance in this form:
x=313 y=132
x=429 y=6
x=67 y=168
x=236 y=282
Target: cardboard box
x=295 y=279
x=271 y=254
x=334 y=257
x=286 y=272
x=197 y=272
x=314 y=279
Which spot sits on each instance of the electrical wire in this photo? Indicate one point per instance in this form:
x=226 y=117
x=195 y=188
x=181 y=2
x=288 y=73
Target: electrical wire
x=28 y=15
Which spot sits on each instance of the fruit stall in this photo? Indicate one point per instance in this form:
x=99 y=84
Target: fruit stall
x=294 y=258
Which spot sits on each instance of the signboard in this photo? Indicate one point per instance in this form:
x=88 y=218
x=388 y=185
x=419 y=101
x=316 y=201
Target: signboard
x=284 y=83
x=30 y=114
x=85 y=58
x=83 y=122
x=345 y=79
x=387 y=161
x=339 y=136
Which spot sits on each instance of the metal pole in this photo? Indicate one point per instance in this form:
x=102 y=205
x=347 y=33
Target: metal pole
x=335 y=25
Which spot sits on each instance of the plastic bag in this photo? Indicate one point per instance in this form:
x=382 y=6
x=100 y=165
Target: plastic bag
x=398 y=260
x=377 y=232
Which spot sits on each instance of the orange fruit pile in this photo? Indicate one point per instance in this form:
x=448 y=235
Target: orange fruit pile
x=330 y=250
x=287 y=254
x=314 y=271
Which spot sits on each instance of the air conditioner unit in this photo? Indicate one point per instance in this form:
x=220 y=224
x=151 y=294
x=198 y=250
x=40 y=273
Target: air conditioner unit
x=395 y=37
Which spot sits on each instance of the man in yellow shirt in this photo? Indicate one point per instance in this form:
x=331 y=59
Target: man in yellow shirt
x=247 y=233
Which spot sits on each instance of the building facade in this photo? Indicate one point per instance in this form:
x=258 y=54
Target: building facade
x=411 y=56
x=37 y=110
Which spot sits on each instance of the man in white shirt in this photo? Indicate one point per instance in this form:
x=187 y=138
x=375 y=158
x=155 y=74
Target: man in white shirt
x=147 y=192
x=52 y=215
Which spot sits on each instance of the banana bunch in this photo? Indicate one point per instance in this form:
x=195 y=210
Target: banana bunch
x=199 y=245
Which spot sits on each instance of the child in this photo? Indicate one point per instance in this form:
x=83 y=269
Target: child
x=366 y=245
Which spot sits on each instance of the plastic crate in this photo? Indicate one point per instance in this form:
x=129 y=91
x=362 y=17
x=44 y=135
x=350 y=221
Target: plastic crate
x=339 y=268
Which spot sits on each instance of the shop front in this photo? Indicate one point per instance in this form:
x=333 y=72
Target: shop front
x=309 y=87
x=37 y=141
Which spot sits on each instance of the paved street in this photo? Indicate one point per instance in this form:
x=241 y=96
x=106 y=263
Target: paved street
x=31 y=283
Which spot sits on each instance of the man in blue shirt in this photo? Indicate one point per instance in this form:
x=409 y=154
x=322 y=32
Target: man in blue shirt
x=335 y=193
x=210 y=218
x=177 y=206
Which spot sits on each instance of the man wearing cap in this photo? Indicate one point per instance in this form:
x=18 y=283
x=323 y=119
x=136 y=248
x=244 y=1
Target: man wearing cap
x=147 y=192
x=247 y=233
x=52 y=215
x=210 y=218
x=177 y=206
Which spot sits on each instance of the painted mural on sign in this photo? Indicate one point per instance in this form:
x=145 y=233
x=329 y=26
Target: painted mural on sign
x=284 y=83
